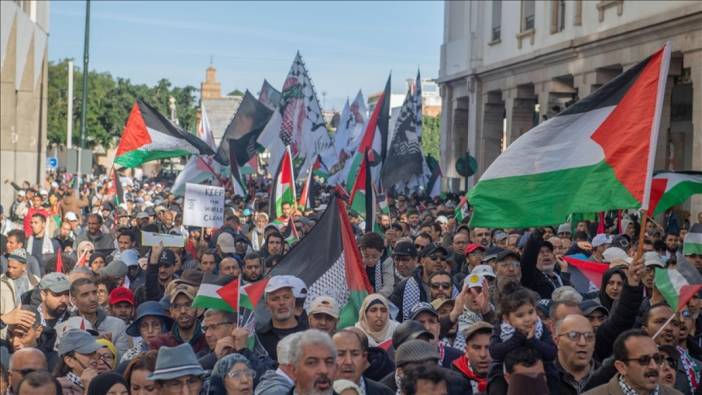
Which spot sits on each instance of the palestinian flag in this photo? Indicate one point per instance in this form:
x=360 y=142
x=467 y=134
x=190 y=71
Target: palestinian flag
x=597 y=155
x=116 y=187
x=283 y=188
x=306 y=201
x=434 y=183
x=375 y=138
x=328 y=261
x=148 y=136
x=669 y=189
x=292 y=235
x=679 y=284
x=362 y=195
x=217 y=293
x=692 y=244
x=585 y=275
x=459 y=213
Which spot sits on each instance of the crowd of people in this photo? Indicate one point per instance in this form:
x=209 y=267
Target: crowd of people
x=85 y=308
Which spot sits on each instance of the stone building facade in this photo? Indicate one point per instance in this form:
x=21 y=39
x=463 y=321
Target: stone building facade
x=24 y=34
x=508 y=65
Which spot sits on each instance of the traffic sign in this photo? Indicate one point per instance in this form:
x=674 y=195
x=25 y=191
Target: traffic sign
x=52 y=163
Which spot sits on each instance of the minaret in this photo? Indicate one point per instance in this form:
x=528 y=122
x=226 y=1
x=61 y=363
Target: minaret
x=211 y=88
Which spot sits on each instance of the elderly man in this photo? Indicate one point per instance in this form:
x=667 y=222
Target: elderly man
x=313 y=356
x=352 y=361
x=177 y=371
x=576 y=344
x=637 y=360
x=474 y=364
x=323 y=314
x=279 y=381
x=280 y=302
x=22 y=363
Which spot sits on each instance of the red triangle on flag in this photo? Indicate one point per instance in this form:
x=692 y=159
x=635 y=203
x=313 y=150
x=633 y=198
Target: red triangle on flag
x=230 y=293
x=135 y=134
x=256 y=290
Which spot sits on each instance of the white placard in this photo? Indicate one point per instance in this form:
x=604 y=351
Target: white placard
x=150 y=239
x=203 y=206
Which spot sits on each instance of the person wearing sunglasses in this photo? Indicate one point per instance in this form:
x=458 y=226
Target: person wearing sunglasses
x=637 y=361
x=22 y=363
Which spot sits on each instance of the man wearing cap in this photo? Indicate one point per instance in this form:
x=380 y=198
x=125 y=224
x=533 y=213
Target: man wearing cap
x=78 y=361
x=474 y=255
x=425 y=314
x=121 y=302
x=187 y=326
x=231 y=226
x=352 y=361
x=280 y=302
x=413 y=353
x=160 y=271
x=538 y=267
x=323 y=314
x=651 y=261
x=95 y=235
x=15 y=282
x=599 y=244
x=692 y=245
x=594 y=312
x=474 y=364
x=225 y=245
x=54 y=291
x=177 y=371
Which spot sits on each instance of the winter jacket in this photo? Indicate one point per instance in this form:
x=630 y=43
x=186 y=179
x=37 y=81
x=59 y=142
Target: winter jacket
x=115 y=326
x=478 y=384
x=398 y=294
x=534 y=278
x=613 y=388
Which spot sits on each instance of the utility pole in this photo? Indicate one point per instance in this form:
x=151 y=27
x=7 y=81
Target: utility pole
x=84 y=104
x=69 y=120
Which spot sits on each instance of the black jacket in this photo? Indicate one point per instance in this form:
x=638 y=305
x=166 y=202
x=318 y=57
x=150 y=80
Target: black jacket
x=621 y=318
x=532 y=277
x=267 y=337
x=376 y=388
x=398 y=294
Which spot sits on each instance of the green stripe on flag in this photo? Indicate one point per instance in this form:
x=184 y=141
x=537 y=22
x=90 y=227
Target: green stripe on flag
x=677 y=194
x=669 y=283
x=692 y=245
x=349 y=313
x=137 y=157
x=208 y=302
x=546 y=198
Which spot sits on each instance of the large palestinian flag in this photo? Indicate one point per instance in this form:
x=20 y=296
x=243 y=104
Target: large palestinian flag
x=597 y=155
x=148 y=136
x=362 y=196
x=669 y=189
x=328 y=261
x=678 y=284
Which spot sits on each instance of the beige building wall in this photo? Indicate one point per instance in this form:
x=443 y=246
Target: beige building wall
x=23 y=93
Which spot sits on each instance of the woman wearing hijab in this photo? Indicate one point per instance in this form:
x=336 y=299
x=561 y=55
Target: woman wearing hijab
x=232 y=375
x=374 y=319
x=612 y=285
x=108 y=383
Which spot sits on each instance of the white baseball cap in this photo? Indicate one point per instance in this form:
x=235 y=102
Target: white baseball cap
x=286 y=281
x=71 y=216
x=614 y=253
x=483 y=270
x=473 y=280
x=601 y=239
x=652 y=258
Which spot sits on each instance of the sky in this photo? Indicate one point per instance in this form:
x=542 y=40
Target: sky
x=346 y=46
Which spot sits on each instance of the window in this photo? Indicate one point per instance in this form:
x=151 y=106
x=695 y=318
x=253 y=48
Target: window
x=496 y=20
x=528 y=9
x=557 y=16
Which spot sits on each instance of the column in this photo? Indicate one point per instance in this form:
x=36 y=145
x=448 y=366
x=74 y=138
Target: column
x=694 y=59
x=490 y=141
x=662 y=154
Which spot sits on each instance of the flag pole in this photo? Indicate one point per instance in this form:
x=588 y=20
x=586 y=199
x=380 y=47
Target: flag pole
x=642 y=234
x=658 y=332
x=238 y=299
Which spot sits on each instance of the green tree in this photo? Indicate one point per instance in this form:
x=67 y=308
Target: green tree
x=235 y=92
x=431 y=136
x=110 y=101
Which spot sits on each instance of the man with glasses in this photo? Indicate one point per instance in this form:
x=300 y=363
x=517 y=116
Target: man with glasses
x=422 y=240
x=576 y=344
x=688 y=368
x=440 y=286
x=637 y=360
x=415 y=287
x=22 y=363
x=78 y=364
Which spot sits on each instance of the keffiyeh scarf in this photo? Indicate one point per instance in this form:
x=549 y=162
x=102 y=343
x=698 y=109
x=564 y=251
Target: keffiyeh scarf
x=410 y=297
x=627 y=390
x=47 y=247
x=507 y=330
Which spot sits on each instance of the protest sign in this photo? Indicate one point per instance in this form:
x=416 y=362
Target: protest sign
x=203 y=206
x=150 y=239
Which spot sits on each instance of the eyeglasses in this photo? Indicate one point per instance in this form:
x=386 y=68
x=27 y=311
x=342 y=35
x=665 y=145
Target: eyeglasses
x=645 y=360
x=441 y=285
x=507 y=264
x=205 y=328
x=437 y=257
x=238 y=374
x=576 y=336
x=671 y=362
